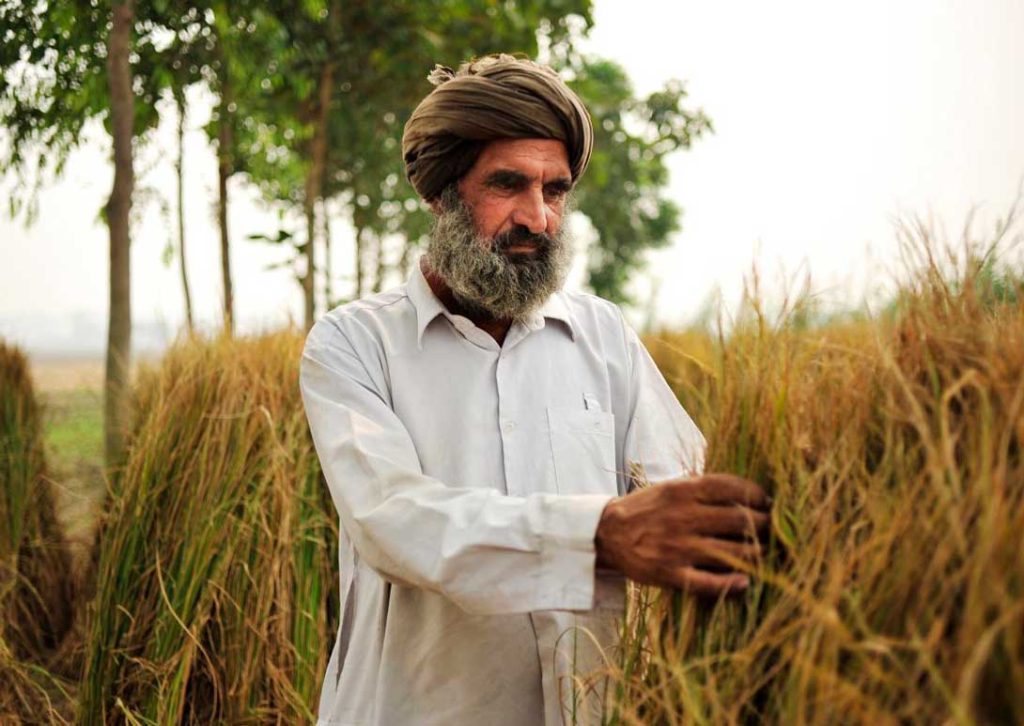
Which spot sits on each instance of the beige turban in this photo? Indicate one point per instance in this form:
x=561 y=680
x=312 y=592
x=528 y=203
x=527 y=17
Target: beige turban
x=495 y=97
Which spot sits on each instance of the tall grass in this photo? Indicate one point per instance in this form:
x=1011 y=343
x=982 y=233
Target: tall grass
x=892 y=590
x=36 y=589
x=216 y=582
x=893 y=587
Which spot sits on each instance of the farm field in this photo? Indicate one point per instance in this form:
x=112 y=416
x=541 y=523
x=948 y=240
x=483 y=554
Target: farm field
x=73 y=440
x=892 y=590
x=813 y=218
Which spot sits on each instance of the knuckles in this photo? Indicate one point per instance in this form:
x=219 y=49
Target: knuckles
x=691 y=533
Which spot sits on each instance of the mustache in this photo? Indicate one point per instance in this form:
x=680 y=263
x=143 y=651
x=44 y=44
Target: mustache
x=519 y=235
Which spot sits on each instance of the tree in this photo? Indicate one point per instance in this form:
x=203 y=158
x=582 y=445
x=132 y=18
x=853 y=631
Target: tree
x=208 y=46
x=623 y=191
x=178 y=71
x=289 y=108
x=312 y=100
x=224 y=67
x=216 y=43
x=59 y=70
x=119 y=335
x=181 y=104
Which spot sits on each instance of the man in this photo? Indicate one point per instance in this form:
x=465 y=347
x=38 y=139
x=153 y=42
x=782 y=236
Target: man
x=478 y=428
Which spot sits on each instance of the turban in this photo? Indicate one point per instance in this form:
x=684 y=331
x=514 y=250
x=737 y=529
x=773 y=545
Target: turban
x=496 y=97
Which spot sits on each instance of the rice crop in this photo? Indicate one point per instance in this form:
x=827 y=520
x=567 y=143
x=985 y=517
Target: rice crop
x=36 y=589
x=216 y=586
x=892 y=590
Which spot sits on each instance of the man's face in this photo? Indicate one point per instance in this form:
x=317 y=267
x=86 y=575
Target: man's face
x=522 y=182
x=499 y=242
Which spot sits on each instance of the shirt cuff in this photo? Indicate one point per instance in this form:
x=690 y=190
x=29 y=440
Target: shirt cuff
x=610 y=590
x=569 y=571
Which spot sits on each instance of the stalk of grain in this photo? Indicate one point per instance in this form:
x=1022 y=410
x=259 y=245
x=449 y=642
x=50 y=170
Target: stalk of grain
x=217 y=560
x=36 y=592
x=893 y=590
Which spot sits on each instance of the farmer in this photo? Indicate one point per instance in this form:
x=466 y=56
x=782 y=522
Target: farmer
x=482 y=431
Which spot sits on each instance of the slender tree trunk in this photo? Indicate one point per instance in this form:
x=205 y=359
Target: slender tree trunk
x=119 y=332
x=179 y=167
x=359 y=262
x=381 y=267
x=225 y=142
x=309 y=250
x=325 y=227
x=314 y=187
x=405 y=262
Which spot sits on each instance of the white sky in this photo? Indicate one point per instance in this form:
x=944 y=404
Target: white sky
x=830 y=119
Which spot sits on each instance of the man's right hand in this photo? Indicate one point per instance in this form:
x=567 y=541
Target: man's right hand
x=685 y=533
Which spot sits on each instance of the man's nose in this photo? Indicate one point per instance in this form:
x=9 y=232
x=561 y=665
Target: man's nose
x=530 y=211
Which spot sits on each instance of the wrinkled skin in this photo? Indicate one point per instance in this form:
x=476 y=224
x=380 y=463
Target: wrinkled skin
x=686 y=533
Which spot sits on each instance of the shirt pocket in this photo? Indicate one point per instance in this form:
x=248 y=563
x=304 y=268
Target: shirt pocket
x=583 y=450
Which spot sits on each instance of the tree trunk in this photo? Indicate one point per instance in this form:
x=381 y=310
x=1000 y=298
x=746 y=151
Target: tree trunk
x=179 y=168
x=119 y=332
x=314 y=187
x=405 y=261
x=325 y=225
x=358 y=293
x=380 y=267
x=308 y=250
x=225 y=141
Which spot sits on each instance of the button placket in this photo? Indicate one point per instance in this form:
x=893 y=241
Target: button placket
x=473 y=334
x=507 y=427
x=520 y=330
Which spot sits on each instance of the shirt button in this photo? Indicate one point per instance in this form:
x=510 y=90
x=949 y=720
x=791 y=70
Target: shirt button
x=509 y=425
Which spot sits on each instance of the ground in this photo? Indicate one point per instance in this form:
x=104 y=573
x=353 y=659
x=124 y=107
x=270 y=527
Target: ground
x=71 y=393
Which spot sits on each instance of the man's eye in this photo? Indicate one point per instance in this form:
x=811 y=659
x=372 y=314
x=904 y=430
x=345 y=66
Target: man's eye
x=555 y=193
x=504 y=186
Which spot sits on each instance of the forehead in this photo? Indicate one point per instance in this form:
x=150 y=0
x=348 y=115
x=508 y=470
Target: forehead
x=533 y=157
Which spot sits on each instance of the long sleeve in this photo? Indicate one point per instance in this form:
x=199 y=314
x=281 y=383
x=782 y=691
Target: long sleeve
x=487 y=552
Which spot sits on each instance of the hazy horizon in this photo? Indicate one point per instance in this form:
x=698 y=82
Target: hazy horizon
x=829 y=123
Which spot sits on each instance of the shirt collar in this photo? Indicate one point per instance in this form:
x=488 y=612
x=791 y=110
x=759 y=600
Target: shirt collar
x=428 y=307
x=423 y=300
x=555 y=308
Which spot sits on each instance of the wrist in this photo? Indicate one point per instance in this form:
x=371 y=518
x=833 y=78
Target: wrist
x=604 y=536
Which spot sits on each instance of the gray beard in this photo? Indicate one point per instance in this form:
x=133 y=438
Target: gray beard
x=484 y=279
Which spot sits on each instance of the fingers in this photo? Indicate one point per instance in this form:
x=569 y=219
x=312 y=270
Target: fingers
x=710 y=584
x=734 y=521
x=700 y=535
x=725 y=489
x=709 y=552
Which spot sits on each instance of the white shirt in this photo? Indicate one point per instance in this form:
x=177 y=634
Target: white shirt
x=469 y=478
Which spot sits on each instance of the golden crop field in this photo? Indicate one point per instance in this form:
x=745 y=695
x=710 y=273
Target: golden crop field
x=892 y=590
